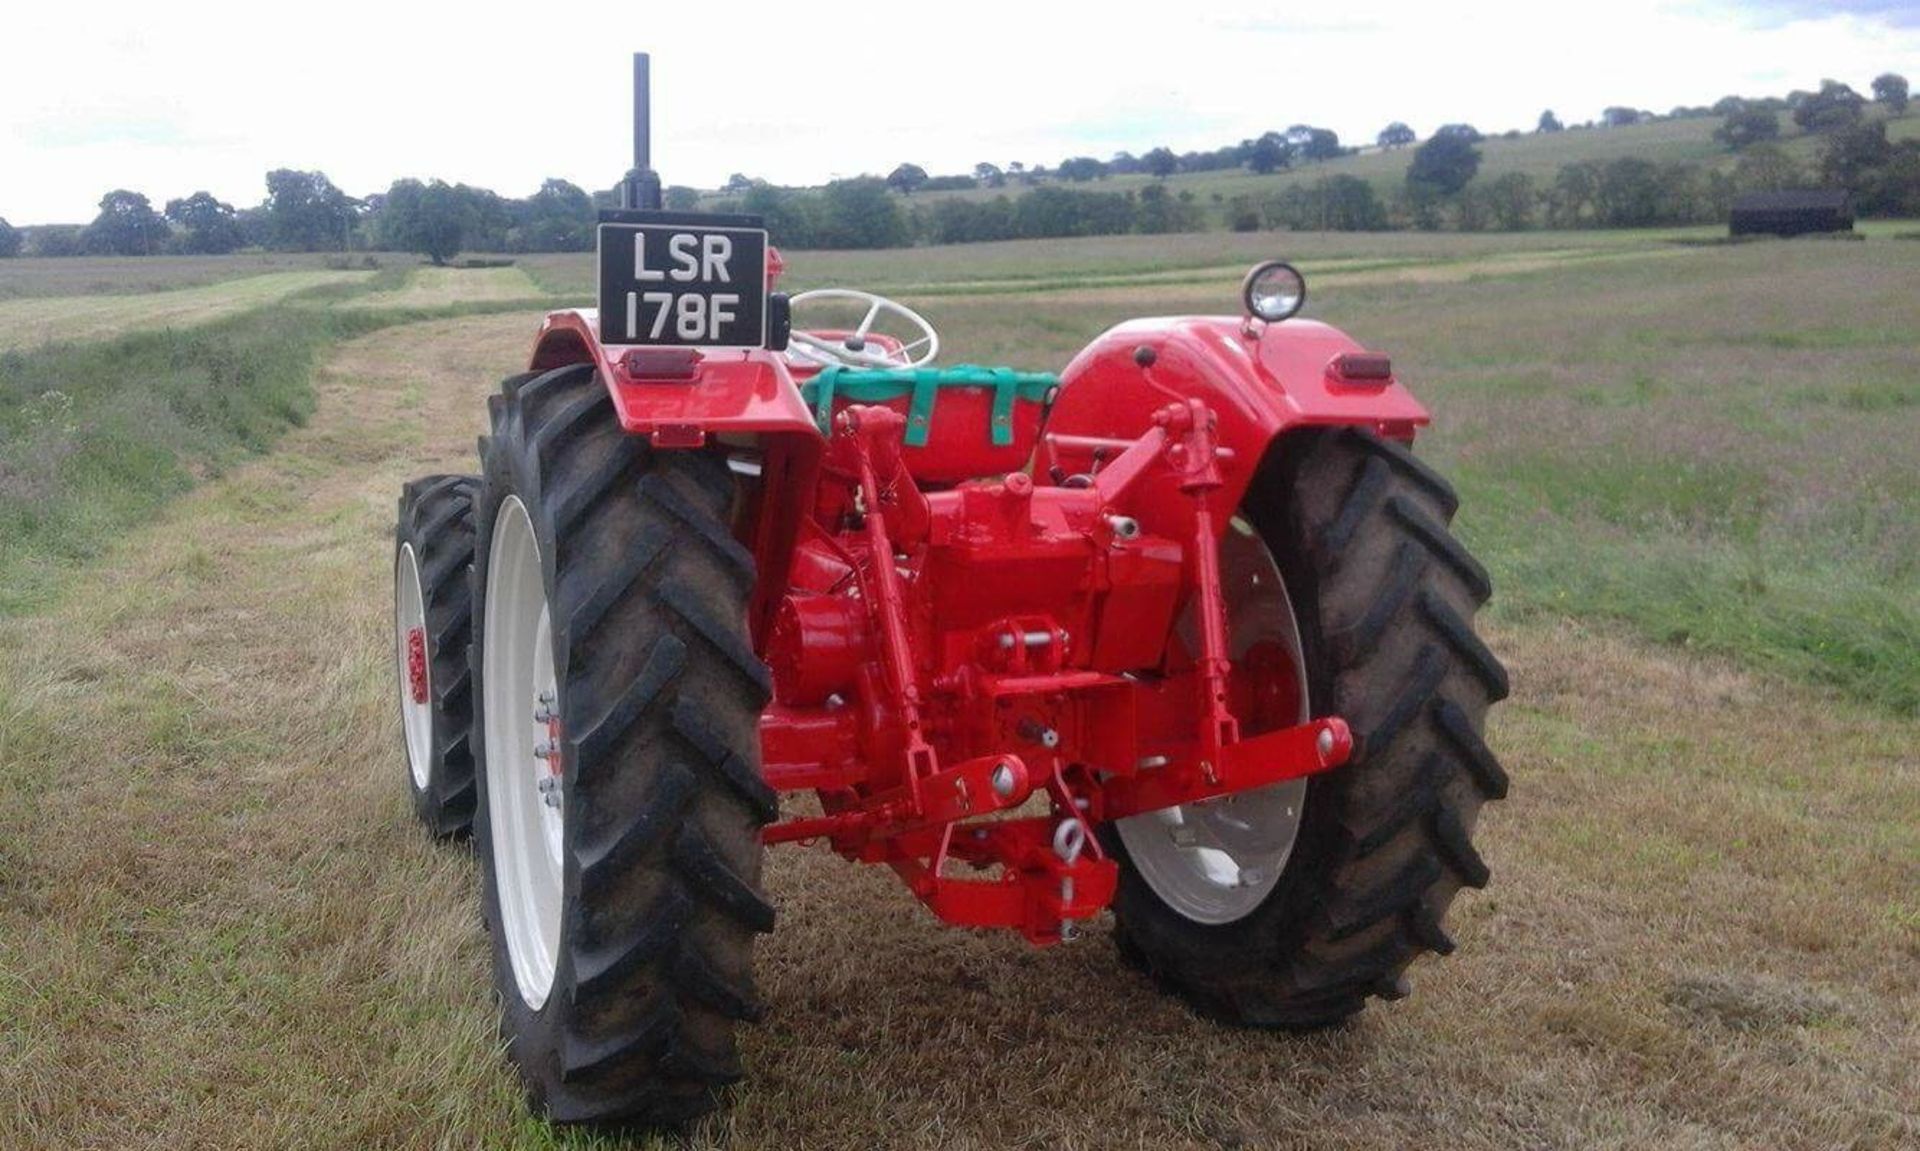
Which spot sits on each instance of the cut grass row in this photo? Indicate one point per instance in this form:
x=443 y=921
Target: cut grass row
x=96 y=435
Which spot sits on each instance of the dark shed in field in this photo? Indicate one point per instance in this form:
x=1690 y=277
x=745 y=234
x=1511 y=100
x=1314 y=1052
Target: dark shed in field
x=1791 y=213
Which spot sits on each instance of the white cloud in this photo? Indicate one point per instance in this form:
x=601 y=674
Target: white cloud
x=109 y=96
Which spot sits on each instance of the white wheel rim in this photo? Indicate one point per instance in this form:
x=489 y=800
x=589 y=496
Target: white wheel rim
x=526 y=832
x=416 y=716
x=1216 y=861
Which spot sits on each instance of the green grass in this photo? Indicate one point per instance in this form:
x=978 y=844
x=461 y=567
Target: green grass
x=95 y=436
x=220 y=926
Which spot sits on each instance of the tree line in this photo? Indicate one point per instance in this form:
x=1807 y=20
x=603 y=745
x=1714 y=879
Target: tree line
x=305 y=211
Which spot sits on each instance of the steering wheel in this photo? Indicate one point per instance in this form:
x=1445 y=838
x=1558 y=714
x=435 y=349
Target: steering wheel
x=854 y=350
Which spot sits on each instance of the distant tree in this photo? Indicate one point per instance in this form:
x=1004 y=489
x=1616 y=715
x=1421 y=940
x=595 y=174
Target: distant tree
x=1321 y=144
x=1510 y=201
x=738 y=182
x=560 y=217
x=1444 y=164
x=58 y=240
x=1571 y=200
x=1619 y=117
x=1016 y=168
x=858 y=213
x=431 y=219
x=1395 y=135
x=906 y=178
x=989 y=174
x=126 y=226
x=1160 y=211
x=1080 y=169
x=1473 y=208
x=1549 y=122
x=1161 y=162
x=680 y=198
x=1727 y=105
x=1854 y=154
x=1833 y=107
x=1890 y=88
x=306 y=213
x=789 y=215
x=1330 y=204
x=1767 y=168
x=1269 y=153
x=1747 y=127
x=1629 y=193
x=1422 y=205
x=207 y=226
x=1466 y=132
x=1897 y=190
x=959 y=181
x=10 y=240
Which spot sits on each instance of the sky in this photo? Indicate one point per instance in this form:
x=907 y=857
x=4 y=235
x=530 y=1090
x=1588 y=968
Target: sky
x=172 y=100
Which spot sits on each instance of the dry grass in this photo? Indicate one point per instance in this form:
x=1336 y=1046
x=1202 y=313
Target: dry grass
x=35 y=320
x=218 y=925
x=428 y=287
x=126 y=275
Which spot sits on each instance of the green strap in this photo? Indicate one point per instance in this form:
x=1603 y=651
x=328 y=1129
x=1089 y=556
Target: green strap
x=922 y=386
x=926 y=386
x=822 y=385
x=1004 y=390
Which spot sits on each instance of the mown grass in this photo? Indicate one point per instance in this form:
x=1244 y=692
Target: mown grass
x=1694 y=473
x=31 y=276
x=220 y=926
x=95 y=436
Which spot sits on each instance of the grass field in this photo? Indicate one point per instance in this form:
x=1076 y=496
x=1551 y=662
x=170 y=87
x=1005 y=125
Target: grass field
x=1692 y=471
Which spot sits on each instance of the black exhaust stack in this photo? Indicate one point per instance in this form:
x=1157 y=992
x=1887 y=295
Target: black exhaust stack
x=641 y=188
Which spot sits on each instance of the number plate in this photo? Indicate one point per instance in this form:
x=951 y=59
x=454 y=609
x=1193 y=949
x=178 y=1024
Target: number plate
x=683 y=285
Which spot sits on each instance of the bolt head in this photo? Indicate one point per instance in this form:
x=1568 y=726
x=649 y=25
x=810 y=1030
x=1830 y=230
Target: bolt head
x=1003 y=780
x=1325 y=743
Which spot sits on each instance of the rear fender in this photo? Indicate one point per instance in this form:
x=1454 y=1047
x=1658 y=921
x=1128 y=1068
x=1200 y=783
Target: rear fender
x=730 y=392
x=743 y=401
x=1260 y=382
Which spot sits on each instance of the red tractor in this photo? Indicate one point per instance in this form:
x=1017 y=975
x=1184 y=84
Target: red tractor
x=1181 y=634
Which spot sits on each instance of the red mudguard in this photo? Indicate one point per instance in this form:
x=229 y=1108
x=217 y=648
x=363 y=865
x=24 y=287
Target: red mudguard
x=680 y=400
x=1260 y=381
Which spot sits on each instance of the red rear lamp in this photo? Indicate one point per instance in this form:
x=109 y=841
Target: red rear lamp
x=1361 y=368
x=663 y=364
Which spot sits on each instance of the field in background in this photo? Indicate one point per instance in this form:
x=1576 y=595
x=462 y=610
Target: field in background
x=1692 y=471
x=1539 y=156
x=125 y=275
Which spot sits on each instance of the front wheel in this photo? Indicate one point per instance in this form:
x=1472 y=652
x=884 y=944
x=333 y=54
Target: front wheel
x=432 y=618
x=621 y=800
x=1288 y=907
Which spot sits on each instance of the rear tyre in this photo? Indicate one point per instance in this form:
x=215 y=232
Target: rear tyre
x=1385 y=598
x=433 y=614
x=622 y=893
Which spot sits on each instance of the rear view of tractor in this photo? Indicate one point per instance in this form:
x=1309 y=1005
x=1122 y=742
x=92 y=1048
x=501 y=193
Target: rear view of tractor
x=1179 y=634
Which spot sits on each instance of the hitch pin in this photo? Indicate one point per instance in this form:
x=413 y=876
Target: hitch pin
x=1027 y=638
x=1068 y=840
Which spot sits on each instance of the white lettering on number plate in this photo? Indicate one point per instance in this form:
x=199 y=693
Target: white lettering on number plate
x=696 y=259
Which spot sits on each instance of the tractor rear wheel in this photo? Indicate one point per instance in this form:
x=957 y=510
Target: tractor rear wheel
x=1290 y=907
x=621 y=801
x=433 y=621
